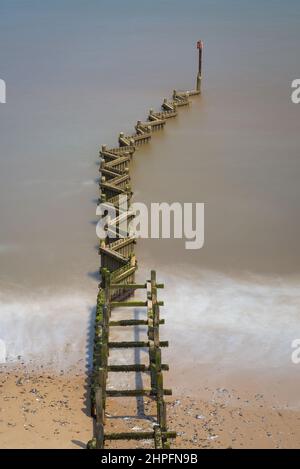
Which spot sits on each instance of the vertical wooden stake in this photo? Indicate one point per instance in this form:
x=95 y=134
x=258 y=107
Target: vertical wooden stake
x=199 y=75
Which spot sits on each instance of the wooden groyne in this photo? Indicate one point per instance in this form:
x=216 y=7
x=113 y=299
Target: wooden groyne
x=117 y=285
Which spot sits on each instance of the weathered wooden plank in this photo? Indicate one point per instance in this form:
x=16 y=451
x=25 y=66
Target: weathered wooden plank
x=135 y=344
x=134 y=367
x=113 y=254
x=136 y=435
x=121 y=304
x=134 y=286
x=135 y=392
x=132 y=322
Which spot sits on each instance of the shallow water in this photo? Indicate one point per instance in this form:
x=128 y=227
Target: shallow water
x=77 y=75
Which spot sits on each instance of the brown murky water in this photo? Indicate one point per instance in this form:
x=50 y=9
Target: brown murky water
x=75 y=78
x=241 y=158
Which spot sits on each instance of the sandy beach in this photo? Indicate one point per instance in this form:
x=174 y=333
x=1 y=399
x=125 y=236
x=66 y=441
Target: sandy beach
x=43 y=410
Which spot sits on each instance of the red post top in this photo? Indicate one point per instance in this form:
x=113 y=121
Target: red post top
x=200 y=45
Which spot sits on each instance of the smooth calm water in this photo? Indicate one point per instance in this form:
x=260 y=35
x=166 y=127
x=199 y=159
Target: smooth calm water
x=77 y=73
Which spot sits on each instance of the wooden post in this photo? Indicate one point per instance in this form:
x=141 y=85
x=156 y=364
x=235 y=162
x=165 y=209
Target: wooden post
x=106 y=284
x=160 y=402
x=158 y=437
x=99 y=418
x=161 y=409
x=153 y=371
x=156 y=319
x=199 y=75
x=153 y=287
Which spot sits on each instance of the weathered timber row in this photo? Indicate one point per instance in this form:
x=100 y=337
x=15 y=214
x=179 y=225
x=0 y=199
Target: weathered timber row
x=118 y=267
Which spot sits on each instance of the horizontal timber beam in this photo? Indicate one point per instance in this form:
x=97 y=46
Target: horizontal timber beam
x=135 y=344
x=121 y=304
x=136 y=368
x=137 y=435
x=135 y=392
